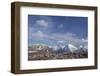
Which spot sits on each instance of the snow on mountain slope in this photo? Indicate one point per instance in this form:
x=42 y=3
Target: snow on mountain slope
x=72 y=48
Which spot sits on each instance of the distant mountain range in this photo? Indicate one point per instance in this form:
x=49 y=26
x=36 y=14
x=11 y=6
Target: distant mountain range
x=59 y=48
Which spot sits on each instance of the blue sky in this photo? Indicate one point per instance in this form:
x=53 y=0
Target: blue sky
x=51 y=30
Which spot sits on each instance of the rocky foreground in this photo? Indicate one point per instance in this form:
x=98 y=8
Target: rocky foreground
x=46 y=53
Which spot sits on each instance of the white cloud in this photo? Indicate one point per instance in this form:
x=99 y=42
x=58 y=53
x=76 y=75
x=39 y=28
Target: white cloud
x=59 y=41
x=84 y=40
x=60 y=26
x=69 y=38
x=70 y=34
x=42 y=23
x=38 y=34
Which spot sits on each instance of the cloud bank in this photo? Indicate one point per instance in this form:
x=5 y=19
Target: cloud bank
x=68 y=38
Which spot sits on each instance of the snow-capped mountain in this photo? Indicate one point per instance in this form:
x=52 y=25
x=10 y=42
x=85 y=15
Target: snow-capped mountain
x=66 y=48
x=39 y=46
x=72 y=48
x=83 y=48
x=60 y=48
x=55 y=48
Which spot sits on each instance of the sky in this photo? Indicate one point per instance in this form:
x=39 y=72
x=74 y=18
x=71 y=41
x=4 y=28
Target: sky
x=53 y=30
